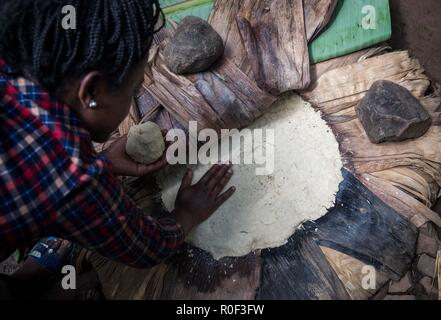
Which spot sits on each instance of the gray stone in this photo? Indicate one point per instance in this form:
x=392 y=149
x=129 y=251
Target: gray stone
x=402 y=286
x=390 y=113
x=426 y=265
x=195 y=47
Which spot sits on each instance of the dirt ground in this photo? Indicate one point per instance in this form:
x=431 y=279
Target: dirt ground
x=417 y=27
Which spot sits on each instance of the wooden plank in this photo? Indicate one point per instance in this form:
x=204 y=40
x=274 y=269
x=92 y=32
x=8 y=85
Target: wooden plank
x=364 y=227
x=299 y=271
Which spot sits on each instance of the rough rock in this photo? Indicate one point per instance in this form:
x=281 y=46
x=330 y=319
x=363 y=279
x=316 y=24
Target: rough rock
x=426 y=265
x=195 y=47
x=402 y=286
x=390 y=113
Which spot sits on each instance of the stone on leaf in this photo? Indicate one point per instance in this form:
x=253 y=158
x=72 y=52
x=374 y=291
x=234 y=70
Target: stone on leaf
x=194 y=48
x=390 y=113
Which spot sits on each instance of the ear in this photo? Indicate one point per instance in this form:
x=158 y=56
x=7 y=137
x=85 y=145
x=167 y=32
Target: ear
x=89 y=85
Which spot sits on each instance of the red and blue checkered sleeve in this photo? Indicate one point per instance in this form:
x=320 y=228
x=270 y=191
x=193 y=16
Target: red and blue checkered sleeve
x=99 y=216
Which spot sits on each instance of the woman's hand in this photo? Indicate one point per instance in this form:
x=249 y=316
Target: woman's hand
x=123 y=165
x=196 y=203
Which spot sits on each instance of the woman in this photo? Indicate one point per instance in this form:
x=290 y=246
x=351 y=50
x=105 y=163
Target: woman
x=60 y=90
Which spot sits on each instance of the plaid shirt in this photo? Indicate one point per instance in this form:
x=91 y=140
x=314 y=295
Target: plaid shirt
x=52 y=183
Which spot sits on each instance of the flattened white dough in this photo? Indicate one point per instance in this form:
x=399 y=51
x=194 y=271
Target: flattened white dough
x=266 y=210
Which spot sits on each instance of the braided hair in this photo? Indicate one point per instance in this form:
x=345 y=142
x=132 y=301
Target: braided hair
x=111 y=36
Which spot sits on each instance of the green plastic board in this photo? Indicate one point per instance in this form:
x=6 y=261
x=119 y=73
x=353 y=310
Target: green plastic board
x=176 y=10
x=356 y=24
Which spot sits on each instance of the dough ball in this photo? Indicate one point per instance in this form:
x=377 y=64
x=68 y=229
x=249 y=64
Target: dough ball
x=145 y=143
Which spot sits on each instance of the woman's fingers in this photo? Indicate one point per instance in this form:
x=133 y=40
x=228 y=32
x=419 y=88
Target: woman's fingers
x=209 y=175
x=216 y=178
x=225 y=196
x=221 y=180
x=214 y=181
x=143 y=170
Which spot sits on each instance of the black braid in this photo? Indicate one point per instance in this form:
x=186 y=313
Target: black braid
x=111 y=36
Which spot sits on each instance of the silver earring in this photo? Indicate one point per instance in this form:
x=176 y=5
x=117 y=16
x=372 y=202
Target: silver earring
x=93 y=104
